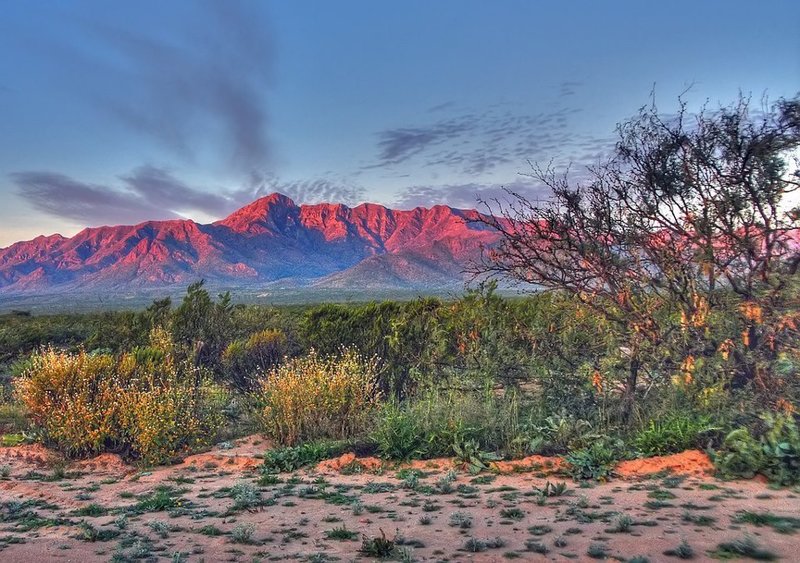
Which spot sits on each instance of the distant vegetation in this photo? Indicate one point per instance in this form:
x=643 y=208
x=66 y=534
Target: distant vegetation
x=672 y=322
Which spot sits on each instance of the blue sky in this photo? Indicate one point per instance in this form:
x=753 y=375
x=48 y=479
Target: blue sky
x=115 y=112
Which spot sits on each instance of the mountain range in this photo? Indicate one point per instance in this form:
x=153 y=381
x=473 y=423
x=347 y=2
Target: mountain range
x=270 y=241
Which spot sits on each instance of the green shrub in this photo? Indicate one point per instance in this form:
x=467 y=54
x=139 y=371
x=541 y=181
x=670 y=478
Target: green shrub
x=596 y=461
x=292 y=458
x=673 y=434
x=398 y=433
x=313 y=398
x=775 y=453
x=434 y=421
x=781 y=446
x=739 y=456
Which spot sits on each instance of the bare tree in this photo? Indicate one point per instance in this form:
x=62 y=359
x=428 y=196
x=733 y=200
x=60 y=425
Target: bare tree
x=689 y=211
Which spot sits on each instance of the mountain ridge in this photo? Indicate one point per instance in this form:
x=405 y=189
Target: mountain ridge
x=269 y=239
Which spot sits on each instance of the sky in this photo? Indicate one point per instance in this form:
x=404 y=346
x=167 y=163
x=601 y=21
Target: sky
x=121 y=112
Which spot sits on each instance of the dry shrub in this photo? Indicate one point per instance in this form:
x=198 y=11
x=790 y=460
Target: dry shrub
x=311 y=397
x=245 y=361
x=146 y=403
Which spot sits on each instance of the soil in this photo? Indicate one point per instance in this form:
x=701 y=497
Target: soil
x=103 y=508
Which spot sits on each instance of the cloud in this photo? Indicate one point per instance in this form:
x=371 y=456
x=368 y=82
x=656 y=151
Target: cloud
x=86 y=204
x=477 y=143
x=398 y=145
x=199 y=87
x=320 y=190
x=152 y=193
x=467 y=196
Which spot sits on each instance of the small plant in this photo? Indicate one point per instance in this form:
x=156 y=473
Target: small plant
x=341 y=533
x=469 y=455
x=512 y=513
x=595 y=462
x=673 y=434
x=683 y=551
x=243 y=533
x=160 y=527
x=551 y=490
x=597 y=550
x=291 y=458
x=622 y=524
x=745 y=547
x=474 y=545
x=245 y=495
x=460 y=520
x=398 y=434
x=536 y=546
x=379 y=546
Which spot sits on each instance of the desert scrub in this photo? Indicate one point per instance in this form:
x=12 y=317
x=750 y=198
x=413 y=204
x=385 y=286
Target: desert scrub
x=775 y=453
x=672 y=434
x=312 y=397
x=244 y=361
x=145 y=402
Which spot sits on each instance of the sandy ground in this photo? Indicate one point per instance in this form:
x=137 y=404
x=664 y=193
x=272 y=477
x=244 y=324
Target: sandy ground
x=102 y=509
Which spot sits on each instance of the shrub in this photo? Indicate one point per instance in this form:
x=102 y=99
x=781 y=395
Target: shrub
x=244 y=361
x=154 y=409
x=398 y=434
x=292 y=458
x=437 y=423
x=312 y=397
x=672 y=434
x=775 y=453
x=594 y=462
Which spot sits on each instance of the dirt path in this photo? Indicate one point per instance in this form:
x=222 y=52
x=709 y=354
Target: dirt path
x=216 y=507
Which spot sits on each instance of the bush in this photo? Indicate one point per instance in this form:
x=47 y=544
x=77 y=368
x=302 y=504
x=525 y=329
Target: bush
x=670 y=435
x=398 y=434
x=437 y=422
x=87 y=403
x=289 y=459
x=594 y=462
x=312 y=398
x=775 y=453
x=245 y=361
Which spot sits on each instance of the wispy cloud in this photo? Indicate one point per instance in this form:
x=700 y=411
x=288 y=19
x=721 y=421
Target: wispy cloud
x=467 y=196
x=474 y=143
x=201 y=85
x=321 y=190
x=152 y=193
x=399 y=145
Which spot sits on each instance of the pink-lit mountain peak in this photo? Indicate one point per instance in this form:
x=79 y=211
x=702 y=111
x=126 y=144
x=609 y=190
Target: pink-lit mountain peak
x=269 y=239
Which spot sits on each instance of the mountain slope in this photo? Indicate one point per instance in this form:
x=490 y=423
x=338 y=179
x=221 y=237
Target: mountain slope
x=327 y=245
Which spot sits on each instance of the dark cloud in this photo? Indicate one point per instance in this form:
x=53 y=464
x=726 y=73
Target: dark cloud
x=478 y=143
x=398 y=145
x=152 y=193
x=201 y=85
x=158 y=186
x=440 y=107
x=467 y=196
x=568 y=88
x=86 y=204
